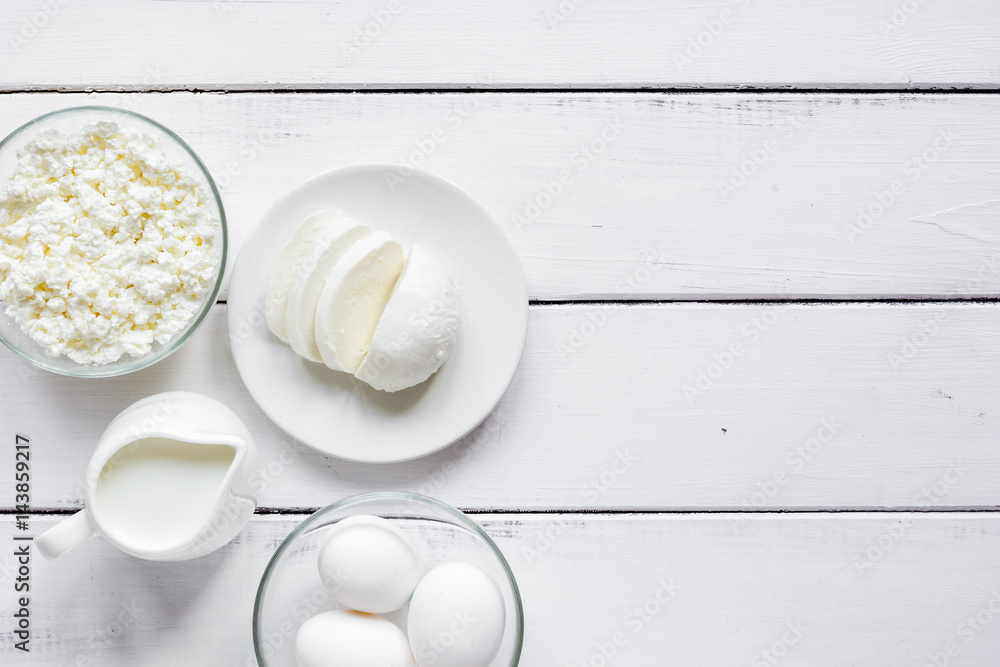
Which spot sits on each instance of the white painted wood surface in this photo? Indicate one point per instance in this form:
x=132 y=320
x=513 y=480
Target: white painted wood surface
x=792 y=229
x=557 y=43
x=597 y=420
x=604 y=421
x=739 y=586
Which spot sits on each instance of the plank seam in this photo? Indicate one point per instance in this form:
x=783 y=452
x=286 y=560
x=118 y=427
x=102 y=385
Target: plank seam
x=672 y=90
x=546 y=303
x=766 y=302
x=305 y=511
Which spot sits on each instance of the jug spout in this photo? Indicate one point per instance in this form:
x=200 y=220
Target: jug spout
x=66 y=535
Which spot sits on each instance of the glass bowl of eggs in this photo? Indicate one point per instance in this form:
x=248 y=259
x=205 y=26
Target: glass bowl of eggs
x=388 y=579
x=112 y=241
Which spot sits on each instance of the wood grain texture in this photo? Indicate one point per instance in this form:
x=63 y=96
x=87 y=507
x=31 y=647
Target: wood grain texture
x=774 y=409
x=620 y=408
x=561 y=43
x=817 y=589
x=655 y=214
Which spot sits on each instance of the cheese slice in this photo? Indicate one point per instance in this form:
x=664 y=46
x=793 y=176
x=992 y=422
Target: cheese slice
x=286 y=270
x=418 y=328
x=353 y=298
x=303 y=297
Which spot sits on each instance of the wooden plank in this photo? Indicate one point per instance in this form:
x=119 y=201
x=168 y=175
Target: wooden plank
x=569 y=43
x=823 y=406
x=664 y=210
x=795 y=589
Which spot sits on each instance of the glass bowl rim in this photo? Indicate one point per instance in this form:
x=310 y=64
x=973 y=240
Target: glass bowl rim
x=210 y=300
x=454 y=512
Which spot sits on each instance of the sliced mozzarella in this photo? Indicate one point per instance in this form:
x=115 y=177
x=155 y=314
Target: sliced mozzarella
x=285 y=272
x=418 y=328
x=303 y=297
x=353 y=298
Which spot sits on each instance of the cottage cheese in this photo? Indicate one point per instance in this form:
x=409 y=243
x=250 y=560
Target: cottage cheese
x=106 y=247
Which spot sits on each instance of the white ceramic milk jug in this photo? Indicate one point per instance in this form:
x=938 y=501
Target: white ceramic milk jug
x=169 y=480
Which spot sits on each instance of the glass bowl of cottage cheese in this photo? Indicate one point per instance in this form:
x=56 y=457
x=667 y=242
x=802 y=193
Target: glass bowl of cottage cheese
x=112 y=241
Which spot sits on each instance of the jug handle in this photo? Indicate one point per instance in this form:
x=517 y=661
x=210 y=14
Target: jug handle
x=66 y=535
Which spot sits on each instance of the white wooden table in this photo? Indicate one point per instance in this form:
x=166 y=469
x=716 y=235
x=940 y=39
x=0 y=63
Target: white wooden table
x=762 y=246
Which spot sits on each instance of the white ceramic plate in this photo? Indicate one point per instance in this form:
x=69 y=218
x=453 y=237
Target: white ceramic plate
x=338 y=414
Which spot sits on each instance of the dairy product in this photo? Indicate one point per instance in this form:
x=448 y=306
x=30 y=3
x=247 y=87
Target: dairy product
x=287 y=271
x=353 y=298
x=158 y=493
x=346 y=297
x=456 y=591
x=367 y=564
x=348 y=639
x=418 y=328
x=303 y=296
x=106 y=247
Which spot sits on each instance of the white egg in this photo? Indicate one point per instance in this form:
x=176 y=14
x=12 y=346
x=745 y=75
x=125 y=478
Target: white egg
x=456 y=617
x=349 y=638
x=367 y=564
